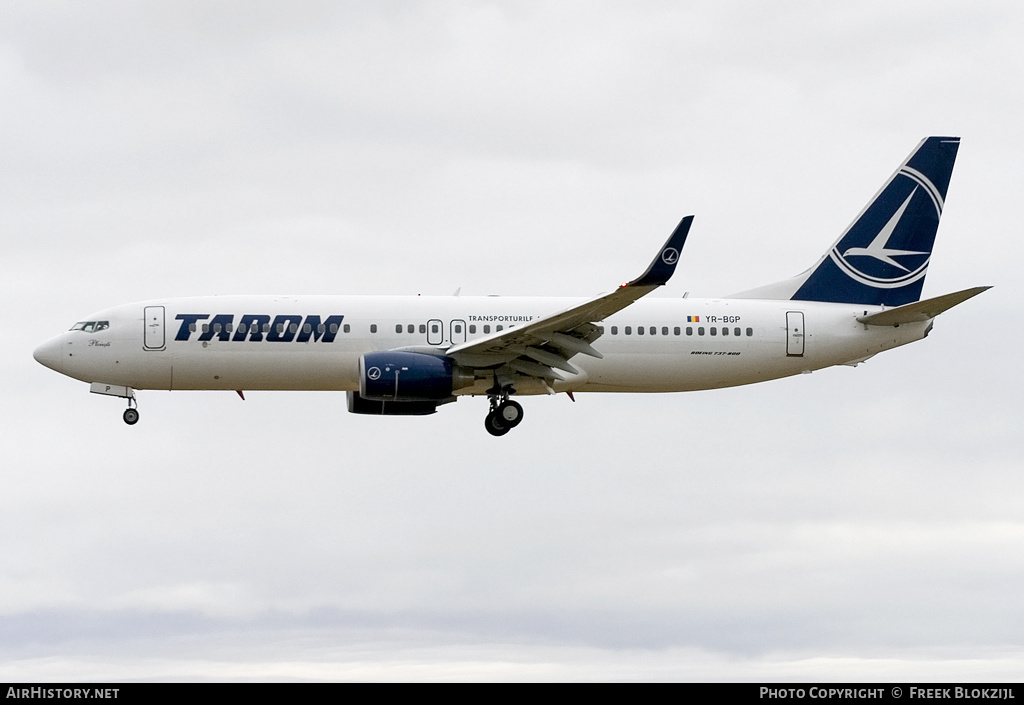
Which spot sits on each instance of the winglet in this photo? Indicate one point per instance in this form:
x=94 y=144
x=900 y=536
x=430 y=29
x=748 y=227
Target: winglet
x=664 y=264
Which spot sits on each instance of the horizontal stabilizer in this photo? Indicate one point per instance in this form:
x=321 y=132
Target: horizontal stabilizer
x=921 y=310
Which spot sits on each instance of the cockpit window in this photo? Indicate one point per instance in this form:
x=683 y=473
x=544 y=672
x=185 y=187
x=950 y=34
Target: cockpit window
x=91 y=326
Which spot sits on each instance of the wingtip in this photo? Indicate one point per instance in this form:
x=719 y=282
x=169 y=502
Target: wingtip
x=664 y=264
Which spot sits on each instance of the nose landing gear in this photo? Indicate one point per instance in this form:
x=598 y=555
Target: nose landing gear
x=131 y=414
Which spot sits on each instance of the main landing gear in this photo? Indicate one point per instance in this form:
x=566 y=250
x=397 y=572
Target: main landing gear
x=504 y=415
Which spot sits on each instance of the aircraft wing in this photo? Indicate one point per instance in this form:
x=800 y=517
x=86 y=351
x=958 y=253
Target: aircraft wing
x=540 y=347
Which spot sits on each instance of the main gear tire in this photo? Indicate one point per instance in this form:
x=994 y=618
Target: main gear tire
x=510 y=413
x=494 y=425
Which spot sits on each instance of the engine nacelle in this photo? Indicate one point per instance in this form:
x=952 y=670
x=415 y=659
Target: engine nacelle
x=397 y=375
x=358 y=405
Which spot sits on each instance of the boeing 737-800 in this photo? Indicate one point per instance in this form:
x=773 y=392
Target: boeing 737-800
x=400 y=355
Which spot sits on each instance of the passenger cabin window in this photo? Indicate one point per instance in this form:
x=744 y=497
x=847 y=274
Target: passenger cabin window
x=373 y=327
x=689 y=330
x=615 y=330
x=410 y=328
x=334 y=328
x=676 y=330
x=750 y=332
x=423 y=327
x=472 y=328
x=347 y=328
x=629 y=330
x=398 y=327
x=487 y=329
x=664 y=330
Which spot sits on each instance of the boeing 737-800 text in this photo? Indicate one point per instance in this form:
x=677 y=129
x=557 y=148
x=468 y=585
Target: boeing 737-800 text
x=409 y=355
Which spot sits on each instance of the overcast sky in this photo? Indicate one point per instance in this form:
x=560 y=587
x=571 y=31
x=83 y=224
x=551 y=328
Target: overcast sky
x=852 y=524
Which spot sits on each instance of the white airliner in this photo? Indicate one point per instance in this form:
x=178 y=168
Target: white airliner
x=407 y=355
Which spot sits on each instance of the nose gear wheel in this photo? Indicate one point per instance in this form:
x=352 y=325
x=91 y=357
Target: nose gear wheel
x=131 y=414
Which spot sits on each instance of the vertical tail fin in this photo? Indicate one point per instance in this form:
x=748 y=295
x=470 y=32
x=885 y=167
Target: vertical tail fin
x=883 y=256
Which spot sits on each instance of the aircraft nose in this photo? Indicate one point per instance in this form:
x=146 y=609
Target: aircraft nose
x=50 y=354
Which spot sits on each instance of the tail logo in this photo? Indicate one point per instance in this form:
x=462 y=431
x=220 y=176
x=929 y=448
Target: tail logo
x=879 y=264
x=878 y=249
x=670 y=255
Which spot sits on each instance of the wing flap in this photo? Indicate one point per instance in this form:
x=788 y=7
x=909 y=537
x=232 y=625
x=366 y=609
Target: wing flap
x=533 y=369
x=550 y=359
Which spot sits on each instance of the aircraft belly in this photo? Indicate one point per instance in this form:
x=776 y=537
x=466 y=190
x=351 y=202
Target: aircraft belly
x=679 y=371
x=266 y=369
x=152 y=371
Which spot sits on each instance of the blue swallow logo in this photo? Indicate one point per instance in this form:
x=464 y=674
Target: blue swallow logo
x=881 y=264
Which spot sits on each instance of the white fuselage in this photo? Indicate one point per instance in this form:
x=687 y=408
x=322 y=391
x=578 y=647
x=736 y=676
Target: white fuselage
x=315 y=342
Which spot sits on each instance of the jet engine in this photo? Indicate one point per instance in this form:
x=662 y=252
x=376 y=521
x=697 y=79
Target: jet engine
x=402 y=376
